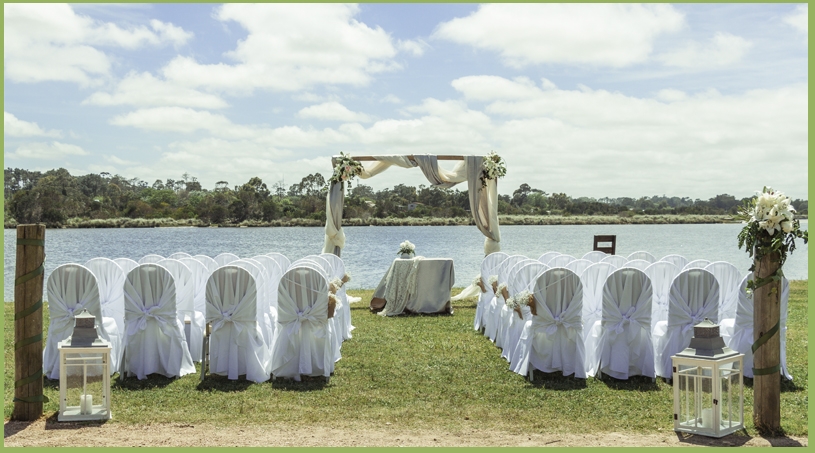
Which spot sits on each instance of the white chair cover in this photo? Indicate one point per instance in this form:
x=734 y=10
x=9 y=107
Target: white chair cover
x=579 y=265
x=523 y=280
x=225 y=258
x=696 y=264
x=637 y=264
x=320 y=261
x=560 y=261
x=151 y=258
x=273 y=272
x=494 y=324
x=694 y=296
x=200 y=275
x=489 y=267
x=337 y=322
x=662 y=275
x=345 y=310
x=616 y=260
x=111 y=279
x=240 y=338
x=642 y=255
x=126 y=264
x=677 y=260
x=593 y=280
x=738 y=332
x=547 y=256
x=729 y=278
x=281 y=260
x=595 y=256
x=507 y=314
x=154 y=341
x=208 y=262
x=184 y=298
x=72 y=288
x=553 y=340
x=303 y=339
x=625 y=329
x=258 y=273
x=179 y=255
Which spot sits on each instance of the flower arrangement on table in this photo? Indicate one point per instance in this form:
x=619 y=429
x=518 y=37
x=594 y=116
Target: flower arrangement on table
x=345 y=170
x=406 y=248
x=771 y=228
x=494 y=168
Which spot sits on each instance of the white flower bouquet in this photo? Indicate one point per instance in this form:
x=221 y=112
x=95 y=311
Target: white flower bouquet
x=494 y=168
x=770 y=228
x=345 y=170
x=406 y=247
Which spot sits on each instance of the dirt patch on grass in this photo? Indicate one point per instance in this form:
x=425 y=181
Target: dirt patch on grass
x=49 y=433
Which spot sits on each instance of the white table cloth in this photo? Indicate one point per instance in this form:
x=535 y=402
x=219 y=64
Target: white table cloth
x=429 y=293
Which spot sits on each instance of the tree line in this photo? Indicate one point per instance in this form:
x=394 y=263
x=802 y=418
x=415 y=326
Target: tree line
x=55 y=196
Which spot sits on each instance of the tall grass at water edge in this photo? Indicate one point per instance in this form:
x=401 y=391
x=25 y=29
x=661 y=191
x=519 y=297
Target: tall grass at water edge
x=427 y=372
x=124 y=222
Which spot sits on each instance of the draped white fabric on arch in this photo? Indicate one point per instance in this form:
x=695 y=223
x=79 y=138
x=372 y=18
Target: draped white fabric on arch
x=483 y=200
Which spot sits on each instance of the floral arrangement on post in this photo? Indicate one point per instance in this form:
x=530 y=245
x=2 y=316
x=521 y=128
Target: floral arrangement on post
x=494 y=168
x=345 y=170
x=771 y=228
x=406 y=248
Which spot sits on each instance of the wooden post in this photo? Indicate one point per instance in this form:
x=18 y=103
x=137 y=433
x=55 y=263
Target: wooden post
x=766 y=314
x=28 y=396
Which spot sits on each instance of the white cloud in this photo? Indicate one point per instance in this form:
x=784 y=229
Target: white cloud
x=415 y=48
x=722 y=50
x=53 y=150
x=488 y=88
x=292 y=47
x=50 y=41
x=168 y=32
x=671 y=95
x=799 y=20
x=333 y=111
x=119 y=161
x=15 y=127
x=145 y=90
x=183 y=120
x=694 y=144
x=613 y=35
x=391 y=99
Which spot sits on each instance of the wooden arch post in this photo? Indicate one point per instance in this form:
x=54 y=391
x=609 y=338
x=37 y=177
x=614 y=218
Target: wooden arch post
x=767 y=347
x=28 y=396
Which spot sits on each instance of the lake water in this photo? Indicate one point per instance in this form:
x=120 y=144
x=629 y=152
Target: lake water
x=370 y=250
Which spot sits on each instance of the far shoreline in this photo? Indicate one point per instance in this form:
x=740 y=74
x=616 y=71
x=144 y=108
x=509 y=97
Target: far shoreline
x=504 y=220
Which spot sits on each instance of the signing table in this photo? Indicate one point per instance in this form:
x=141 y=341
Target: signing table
x=417 y=285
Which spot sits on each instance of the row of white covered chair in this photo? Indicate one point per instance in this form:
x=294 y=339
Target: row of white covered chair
x=624 y=321
x=163 y=290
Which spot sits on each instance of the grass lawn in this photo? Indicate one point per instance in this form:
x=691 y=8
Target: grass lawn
x=423 y=372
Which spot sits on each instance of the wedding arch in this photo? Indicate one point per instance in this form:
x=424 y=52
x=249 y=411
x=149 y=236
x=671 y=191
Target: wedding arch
x=480 y=172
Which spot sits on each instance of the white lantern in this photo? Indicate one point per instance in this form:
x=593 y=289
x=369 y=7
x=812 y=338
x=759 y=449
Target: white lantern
x=708 y=387
x=84 y=373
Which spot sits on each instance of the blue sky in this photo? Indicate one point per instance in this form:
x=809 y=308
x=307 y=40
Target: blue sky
x=589 y=99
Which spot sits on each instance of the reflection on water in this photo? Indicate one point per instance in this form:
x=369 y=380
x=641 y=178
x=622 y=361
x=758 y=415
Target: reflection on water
x=370 y=250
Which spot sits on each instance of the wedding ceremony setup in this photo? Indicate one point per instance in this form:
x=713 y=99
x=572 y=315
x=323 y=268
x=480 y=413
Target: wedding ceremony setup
x=700 y=325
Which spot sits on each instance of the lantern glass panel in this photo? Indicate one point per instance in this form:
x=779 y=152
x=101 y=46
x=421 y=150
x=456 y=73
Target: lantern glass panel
x=730 y=405
x=85 y=389
x=696 y=408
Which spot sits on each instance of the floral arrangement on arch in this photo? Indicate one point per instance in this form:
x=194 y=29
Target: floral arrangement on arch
x=345 y=170
x=406 y=247
x=494 y=168
x=771 y=228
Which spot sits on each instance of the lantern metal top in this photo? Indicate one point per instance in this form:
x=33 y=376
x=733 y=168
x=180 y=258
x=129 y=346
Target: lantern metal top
x=85 y=333
x=707 y=343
